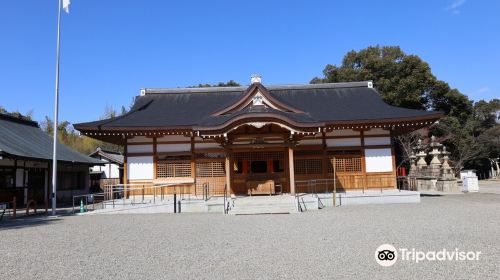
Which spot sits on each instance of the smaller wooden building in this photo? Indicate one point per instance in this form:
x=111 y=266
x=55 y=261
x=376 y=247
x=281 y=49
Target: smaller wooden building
x=111 y=173
x=26 y=163
x=258 y=139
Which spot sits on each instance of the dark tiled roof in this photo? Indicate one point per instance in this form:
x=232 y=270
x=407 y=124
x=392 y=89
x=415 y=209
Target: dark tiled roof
x=24 y=139
x=109 y=155
x=185 y=108
x=356 y=103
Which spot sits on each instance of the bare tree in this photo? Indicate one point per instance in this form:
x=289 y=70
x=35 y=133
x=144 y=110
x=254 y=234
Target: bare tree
x=407 y=142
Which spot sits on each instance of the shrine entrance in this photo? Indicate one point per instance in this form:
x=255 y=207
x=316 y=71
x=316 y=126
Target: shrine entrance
x=260 y=172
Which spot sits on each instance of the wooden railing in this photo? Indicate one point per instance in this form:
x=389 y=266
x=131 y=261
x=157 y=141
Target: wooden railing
x=349 y=182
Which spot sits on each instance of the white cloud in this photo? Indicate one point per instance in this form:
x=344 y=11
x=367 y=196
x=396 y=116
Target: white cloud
x=455 y=6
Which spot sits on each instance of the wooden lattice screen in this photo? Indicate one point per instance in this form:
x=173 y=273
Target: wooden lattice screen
x=172 y=169
x=210 y=169
x=346 y=165
x=212 y=173
x=308 y=166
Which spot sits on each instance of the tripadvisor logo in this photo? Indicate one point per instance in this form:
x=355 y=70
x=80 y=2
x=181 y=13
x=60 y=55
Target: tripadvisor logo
x=387 y=255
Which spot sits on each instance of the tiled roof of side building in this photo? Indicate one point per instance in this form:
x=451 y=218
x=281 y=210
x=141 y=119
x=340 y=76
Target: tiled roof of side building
x=114 y=157
x=24 y=139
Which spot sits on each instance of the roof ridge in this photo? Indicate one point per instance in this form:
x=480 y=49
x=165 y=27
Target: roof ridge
x=18 y=120
x=178 y=90
x=368 y=84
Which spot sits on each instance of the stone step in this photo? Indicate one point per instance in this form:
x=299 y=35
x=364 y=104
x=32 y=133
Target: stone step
x=264 y=200
x=263 y=210
x=263 y=205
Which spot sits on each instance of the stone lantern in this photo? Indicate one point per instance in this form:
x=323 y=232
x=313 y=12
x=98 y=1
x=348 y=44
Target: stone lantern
x=447 y=181
x=446 y=169
x=435 y=164
x=413 y=164
x=421 y=163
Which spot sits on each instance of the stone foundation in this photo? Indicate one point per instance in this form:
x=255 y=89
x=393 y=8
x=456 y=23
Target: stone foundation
x=447 y=186
x=426 y=184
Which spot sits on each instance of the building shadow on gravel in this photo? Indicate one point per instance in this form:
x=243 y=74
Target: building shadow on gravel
x=32 y=221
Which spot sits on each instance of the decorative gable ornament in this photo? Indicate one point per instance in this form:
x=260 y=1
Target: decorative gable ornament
x=258 y=124
x=255 y=78
x=257 y=99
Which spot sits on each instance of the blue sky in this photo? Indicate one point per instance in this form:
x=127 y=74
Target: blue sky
x=112 y=48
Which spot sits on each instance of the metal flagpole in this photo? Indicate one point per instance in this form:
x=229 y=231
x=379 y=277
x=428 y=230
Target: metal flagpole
x=56 y=112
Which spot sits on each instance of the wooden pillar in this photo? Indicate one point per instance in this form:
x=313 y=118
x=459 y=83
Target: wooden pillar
x=394 y=166
x=49 y=180
x=109 y=169
x=229 y=171
x=363 y=159
x=193 y=160
x=25 y=188
x=125 y=169
x=291 y=171
x=46 y=189
x=15 y=173
x=324 y=156
x=193 y=165
x=155 y=159
x=286 y=168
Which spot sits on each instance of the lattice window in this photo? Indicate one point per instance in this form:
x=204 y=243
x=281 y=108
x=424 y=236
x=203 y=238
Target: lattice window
x=307 y=166
x=172 y=169
x=210 y=169
x=346 y=164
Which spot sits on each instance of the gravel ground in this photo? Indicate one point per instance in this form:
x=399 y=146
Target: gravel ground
x=489 y=186
x=326 y=244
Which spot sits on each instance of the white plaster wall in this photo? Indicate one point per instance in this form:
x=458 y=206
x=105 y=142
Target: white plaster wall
x=115 y=172
x=173 y=138
x=378 y=160
x=98 y=168
x=371 y=141
x=374 y=131
x=343 y=142
x=140 y=139
x=343 y=132
x=173 y=148
x=105 y=168
x=95 y=168
x=140 y=168
x=139 y=148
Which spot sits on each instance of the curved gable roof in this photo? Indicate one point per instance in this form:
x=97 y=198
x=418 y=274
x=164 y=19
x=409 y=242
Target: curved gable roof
x=189 y=108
